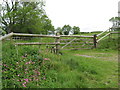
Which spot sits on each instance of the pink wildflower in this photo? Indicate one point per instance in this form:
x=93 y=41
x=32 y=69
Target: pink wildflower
x=25 y=72
x=0 y=64
x=27 y=63
x=30 y=79
x=30 y=61
x=26 y=69
x=36 y=79
x=46 y=59
x=24 y=85
x=33 y=62
x=44 y=78
x=18 y=75
x=34 y=76
x=23 y=56
x=26 y=80
x=37 y=72
x=5 y=65
x=18 y=80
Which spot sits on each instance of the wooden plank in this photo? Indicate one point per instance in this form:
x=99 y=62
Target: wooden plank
x=78 y=46
x=6 y=36
x=115 y=32
x=34 y=35
x=79 y=43
x=103 y=37
x=36 y=43
x=102 y=32
x=76 y=36
x=68 y=43
x=76 y=49
x=76 y=39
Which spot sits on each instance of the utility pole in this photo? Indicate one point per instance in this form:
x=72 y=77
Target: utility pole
x=119 y=9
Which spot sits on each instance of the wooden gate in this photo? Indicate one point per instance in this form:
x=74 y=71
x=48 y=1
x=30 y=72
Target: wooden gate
x=75 y=42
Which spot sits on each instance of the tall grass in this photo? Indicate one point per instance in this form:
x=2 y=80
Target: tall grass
x=30 y=67
x=111 y=42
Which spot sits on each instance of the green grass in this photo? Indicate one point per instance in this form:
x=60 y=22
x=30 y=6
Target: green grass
x=61 y=71
x=32 y=67
x=109 y=43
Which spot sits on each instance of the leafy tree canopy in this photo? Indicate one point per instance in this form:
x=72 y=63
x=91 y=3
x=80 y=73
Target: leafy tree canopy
x=66 y=29
x=25 y=17
x=76 y=30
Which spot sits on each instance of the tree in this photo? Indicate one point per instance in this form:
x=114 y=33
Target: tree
x=47 y=26
x=59 y=30
x=75 y=30
x=66 y=29
x=25 y=17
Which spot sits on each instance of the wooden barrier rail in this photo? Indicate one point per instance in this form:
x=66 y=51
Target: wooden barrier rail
x=76 y=36
x=33 y=35
x=78 y=41
x=114 y=32
x=102 y=32
x=37 y=43
x=103 y=37
x=6 y=36
x=60 y=40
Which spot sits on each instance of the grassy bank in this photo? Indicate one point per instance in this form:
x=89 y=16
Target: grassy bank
x=29 y=67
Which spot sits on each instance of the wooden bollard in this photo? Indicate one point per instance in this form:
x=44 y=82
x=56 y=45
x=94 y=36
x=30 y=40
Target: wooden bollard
x=57 y=45
x=95 y=40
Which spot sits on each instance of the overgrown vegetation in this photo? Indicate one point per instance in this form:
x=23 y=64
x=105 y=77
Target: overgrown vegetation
x=111 y=42
x=31 y=67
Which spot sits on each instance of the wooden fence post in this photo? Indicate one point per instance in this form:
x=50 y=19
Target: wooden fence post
x=109 y=34
x=95 y=40
x=58 y=43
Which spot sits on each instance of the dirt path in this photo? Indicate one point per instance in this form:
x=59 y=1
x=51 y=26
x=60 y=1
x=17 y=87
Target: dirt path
x=102 y=56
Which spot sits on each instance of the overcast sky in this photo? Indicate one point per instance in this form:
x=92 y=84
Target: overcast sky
x=89 y=15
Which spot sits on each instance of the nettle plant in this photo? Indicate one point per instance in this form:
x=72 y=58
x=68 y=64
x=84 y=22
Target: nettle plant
x=28 y=70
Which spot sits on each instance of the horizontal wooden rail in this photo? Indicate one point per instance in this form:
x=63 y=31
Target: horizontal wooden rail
x=79 y=43
x=36 y=43
x=102 y=32
x=33 y=35
x=103 y=37
x=79 y=46
x=76 y=36
x=76 y=39
x=6 y=36
x=115 y=32
x=76 y=49
x=38 y=35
